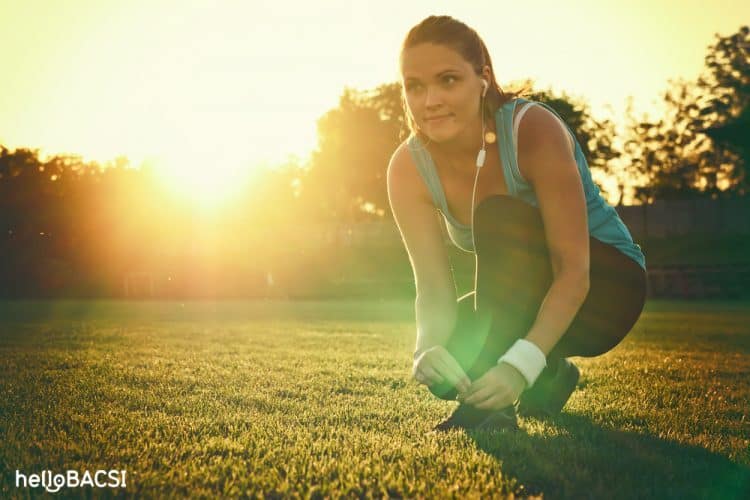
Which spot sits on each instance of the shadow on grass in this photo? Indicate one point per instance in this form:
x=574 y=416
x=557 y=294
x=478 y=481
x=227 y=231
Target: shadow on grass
x=581 y=459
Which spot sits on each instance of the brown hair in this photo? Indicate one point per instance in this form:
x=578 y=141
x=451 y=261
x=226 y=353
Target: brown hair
x=452 y=33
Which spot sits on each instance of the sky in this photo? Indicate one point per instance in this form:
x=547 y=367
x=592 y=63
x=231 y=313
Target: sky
x=236 y=83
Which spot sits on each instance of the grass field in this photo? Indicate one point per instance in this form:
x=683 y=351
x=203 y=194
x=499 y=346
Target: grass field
x=314 y=399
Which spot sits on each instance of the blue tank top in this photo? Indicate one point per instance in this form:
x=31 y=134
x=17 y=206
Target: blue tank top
x=604 y=223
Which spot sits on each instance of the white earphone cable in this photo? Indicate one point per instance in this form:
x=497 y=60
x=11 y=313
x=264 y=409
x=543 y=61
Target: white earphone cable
x=480 y=164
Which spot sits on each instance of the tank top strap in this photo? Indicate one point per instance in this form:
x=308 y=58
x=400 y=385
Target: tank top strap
x=504 y=127
x=516 y=122
x=560 y=120
x=508 y=126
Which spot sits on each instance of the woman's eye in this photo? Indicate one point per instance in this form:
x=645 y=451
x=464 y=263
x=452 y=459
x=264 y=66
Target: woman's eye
x=448 y=79
x=413 y=87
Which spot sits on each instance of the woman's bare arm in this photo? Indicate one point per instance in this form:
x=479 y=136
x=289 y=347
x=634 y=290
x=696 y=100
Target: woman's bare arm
x=417 y=220
x=547 y=161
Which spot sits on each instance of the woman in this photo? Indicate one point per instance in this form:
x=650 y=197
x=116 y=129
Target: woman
x=557 y=272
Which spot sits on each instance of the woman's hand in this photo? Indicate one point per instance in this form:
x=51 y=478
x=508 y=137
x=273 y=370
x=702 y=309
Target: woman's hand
x=498 y=388
x=436 y=366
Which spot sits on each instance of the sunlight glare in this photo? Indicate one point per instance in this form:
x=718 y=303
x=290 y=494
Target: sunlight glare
x=206 y=180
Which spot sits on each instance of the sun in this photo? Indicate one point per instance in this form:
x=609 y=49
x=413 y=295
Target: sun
x=204 y=181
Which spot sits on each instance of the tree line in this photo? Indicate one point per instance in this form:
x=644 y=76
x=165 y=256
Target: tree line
x=64 y=220
x=671 y=157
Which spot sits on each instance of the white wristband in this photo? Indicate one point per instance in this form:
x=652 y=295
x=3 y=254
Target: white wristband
x=527 y=358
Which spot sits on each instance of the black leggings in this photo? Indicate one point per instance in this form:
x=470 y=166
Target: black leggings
x=514 y=274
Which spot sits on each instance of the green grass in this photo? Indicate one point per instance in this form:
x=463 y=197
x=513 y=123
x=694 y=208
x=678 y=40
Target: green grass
x=314 y=399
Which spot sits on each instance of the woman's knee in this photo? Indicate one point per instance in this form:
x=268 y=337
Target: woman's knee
x=597 y=330
x=585 y=346
x=617 y=292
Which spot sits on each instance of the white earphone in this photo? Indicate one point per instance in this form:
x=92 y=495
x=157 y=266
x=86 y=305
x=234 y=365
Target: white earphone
x=480 y=163
x=482 y=152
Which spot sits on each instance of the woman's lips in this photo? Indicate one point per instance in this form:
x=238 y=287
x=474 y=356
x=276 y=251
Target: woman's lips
x=438 y=119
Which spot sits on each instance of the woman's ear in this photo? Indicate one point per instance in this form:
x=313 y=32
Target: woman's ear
x=487 y=74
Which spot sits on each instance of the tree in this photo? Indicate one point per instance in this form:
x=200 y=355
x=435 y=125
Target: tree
x=728 y=82
x=355 y=141
x=674 y=157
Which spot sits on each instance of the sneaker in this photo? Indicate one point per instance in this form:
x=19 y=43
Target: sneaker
x=548 y=395
x=499 y=420
x=462 y=417
x=467 y=417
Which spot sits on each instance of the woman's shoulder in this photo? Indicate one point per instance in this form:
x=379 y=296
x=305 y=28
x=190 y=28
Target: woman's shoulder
x=515 y=101
x=402 y=168
x=402 y=158
x=510 y=108
x=540 y=126
x=410 y=154
x=542 y=139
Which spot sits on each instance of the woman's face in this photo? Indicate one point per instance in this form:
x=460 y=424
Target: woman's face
x=441 y=90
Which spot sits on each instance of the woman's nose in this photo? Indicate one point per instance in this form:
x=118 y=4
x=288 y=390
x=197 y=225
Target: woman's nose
x=432 y=97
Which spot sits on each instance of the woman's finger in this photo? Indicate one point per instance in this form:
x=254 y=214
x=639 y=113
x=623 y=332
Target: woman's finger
x=491 y=403
x=453 y=369
x=463 y=382
x=475 y=386
x=479 y=396
x=430 y=376
x=453 y=373
x=499 y=400
x=419 y=375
